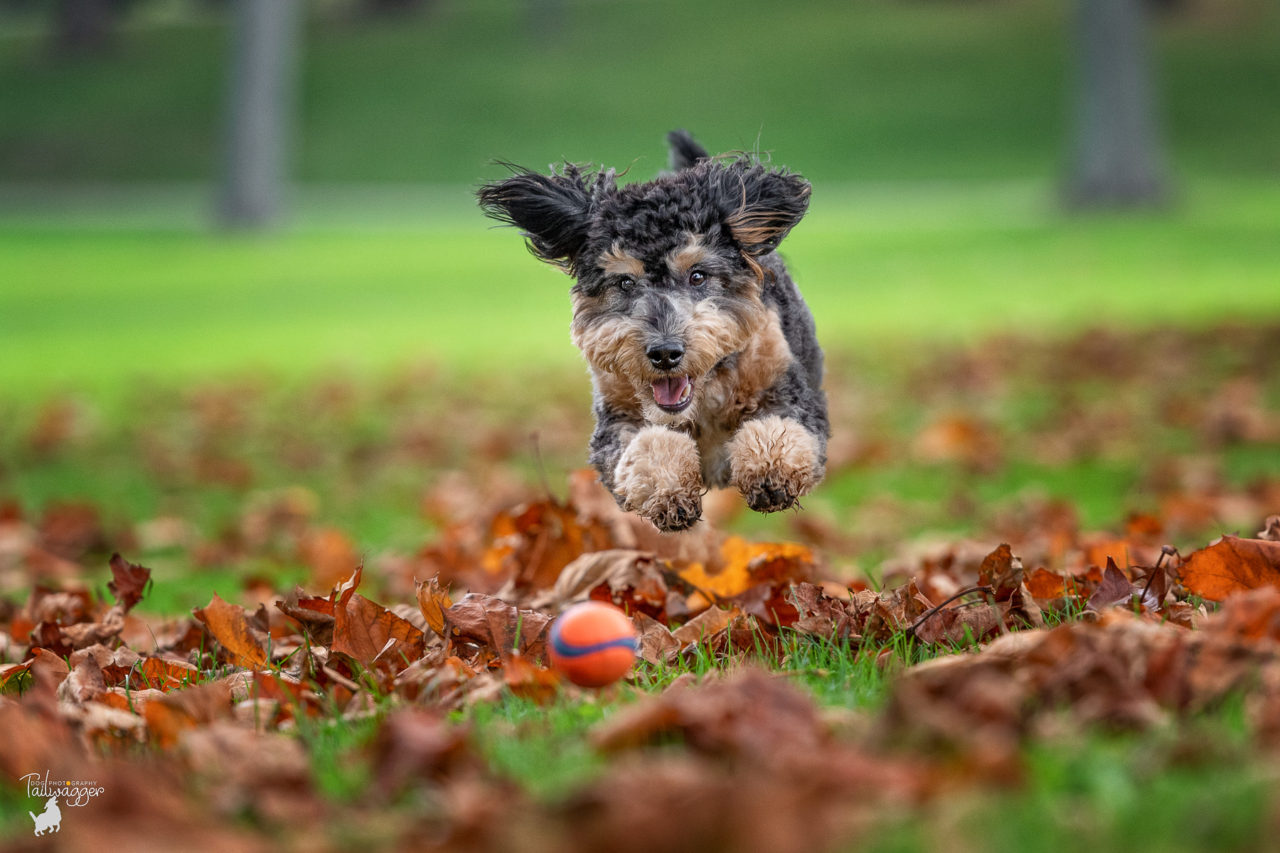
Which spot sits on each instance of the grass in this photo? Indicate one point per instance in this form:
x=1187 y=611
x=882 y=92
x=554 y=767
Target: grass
x=102 y=308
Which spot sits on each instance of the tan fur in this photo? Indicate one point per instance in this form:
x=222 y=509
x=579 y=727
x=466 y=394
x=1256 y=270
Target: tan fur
x=614 y=348
x=659 y=477
x=610 y=344
x=618 y=262
x=775 y=453
x=730 y=397
x=687 y=256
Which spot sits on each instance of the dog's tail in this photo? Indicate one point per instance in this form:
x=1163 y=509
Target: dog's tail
x=685 y=152
x=33 y=817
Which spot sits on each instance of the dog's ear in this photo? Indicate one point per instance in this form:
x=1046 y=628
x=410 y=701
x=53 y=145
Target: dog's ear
x=685 y=152
x=552 y=211
x=761 y=205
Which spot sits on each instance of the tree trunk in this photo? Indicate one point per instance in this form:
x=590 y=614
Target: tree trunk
x=260 y=115
x=83 y=26
x=1118 y=158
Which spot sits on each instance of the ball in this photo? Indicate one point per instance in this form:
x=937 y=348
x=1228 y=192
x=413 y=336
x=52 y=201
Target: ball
x=593 y=644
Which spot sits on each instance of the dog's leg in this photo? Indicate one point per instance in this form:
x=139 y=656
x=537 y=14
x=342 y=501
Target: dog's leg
x=659 y=476
x=775 y=460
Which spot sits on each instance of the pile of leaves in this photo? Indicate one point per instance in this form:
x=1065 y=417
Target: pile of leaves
x=1121 y=632
x=210 y=726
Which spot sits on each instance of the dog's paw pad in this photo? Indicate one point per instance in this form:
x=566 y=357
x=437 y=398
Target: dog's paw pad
x=774 y=461
x=676 y=513
x=768 y=496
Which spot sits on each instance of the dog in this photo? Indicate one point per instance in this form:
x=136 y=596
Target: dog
x=49 y=820
x=704 y=360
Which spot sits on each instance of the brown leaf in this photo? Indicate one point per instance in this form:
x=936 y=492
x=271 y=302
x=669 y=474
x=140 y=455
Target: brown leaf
x=418 y=745
x=1001 y=571
x=822 y=615
x=657 y=644
x=329 y=554
x=1115 y=590
x=313 y=613
x=167 y=718
x=83 y=682
x=1231 y=565
x=750 y=714
x=90 y=633
x=128 y=582
x=1046 y=585
x=497 y=627
x=371 y=634
x=1271 y=529
x=530 y=681
x=706 y=624
x=959 y=438
x=162 y=674
x=628 y=579
x=744 y=565
x=534 y=542
x=229 y=625
x=433 y=600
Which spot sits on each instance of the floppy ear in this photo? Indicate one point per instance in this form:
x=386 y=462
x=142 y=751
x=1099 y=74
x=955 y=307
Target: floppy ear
x=761 y=206
x=552 y=211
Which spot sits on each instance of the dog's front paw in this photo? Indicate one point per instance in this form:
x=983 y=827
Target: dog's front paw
x=659 y=476
x=774 y=461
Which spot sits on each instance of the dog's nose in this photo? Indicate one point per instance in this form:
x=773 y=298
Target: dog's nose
x=666 y=355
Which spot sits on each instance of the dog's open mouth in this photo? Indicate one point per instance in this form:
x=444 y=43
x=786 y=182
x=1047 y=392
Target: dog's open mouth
x=673 y=393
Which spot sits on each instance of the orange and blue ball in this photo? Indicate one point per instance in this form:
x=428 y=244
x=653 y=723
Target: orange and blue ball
x=593 y=644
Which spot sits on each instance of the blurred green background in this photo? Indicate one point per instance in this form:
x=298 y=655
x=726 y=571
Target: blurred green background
x=935 y=133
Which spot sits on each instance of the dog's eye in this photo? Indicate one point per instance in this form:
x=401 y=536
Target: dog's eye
x=697 y=277
x=626 y=282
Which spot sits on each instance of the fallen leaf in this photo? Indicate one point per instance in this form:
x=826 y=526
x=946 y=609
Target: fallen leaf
x=497 y=627
x=1001 y=571
x=167 y=718
x=433 y=600
x=1115 y=589
x=1231 y=565
x=229 y=624
x=369 y=633
x=530 y=681
x=128 y=582
x=657 y=644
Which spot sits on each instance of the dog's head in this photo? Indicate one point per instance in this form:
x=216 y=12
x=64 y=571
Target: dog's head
x=668 y=276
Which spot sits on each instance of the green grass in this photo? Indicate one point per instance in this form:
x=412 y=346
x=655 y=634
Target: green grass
x=96 y=307
x=1193 y=786
x=547 y=748
x=866 y=90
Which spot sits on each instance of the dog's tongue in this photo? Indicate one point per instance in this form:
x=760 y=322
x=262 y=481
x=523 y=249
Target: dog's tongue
x=669 y=390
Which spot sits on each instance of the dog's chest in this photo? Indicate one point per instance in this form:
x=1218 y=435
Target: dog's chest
x=723 y=409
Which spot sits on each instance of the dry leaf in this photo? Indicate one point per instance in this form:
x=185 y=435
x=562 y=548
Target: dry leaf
x=229 y=624
x=1231 y=565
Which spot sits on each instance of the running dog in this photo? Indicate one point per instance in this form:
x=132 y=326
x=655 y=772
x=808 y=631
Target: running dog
x=704 y=361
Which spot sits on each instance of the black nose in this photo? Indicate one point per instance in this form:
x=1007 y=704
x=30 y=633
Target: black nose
x=666 y=355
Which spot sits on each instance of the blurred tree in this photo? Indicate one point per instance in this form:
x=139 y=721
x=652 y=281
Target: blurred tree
x=546 y=19
x=1118 y=158
x=85 y=26
x=395 y=7
x=263 y=58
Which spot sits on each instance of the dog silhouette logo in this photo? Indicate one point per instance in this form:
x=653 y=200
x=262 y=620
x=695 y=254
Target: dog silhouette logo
x=49 y=820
